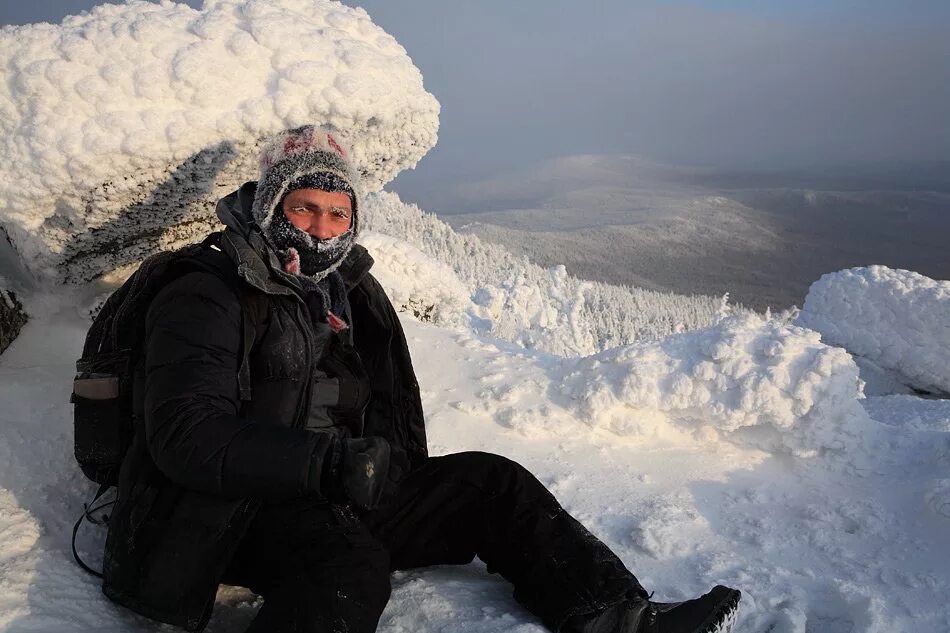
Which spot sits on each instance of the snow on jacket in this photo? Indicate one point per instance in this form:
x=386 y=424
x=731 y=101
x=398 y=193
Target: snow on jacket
x=202 y=459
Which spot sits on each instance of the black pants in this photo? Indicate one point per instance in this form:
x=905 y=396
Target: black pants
x=325 y=569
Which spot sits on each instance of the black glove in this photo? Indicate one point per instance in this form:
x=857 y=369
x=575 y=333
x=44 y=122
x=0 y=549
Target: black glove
x=399 y=466
x=363 y=471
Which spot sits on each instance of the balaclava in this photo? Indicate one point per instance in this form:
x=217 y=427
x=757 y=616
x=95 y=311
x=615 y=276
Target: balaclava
x=306 y=157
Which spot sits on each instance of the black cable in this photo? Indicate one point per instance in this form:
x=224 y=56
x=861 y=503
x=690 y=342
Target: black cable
x=86 y=510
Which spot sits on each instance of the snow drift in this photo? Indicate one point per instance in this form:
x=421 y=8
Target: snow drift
x=121 y=127
x=773 y=386
x=898 y=319
x=751 y=381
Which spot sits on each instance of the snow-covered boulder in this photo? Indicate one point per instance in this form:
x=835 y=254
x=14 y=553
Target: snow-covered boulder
x=898 y=319
x=120 y=127
x=764 y=383
x=12 y=316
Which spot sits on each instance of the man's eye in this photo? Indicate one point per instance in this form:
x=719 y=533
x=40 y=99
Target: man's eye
x=341 y=213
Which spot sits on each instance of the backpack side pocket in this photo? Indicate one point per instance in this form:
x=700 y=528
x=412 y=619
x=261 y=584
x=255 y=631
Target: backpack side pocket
x=101 y=422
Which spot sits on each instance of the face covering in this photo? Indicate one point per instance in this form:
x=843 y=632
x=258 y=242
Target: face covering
x=318 y=257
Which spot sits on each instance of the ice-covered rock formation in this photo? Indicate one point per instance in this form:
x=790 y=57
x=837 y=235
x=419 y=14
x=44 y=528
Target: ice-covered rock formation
x=898 y=319
x=12 y=316
x=120 y=127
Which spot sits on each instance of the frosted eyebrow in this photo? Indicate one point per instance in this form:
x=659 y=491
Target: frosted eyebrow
x=310 y=205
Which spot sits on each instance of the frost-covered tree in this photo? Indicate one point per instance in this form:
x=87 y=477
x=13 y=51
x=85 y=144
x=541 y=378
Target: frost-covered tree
x=533 y=306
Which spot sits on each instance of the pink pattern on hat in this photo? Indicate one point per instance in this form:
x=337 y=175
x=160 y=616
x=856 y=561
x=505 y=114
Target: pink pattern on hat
x=294 y=143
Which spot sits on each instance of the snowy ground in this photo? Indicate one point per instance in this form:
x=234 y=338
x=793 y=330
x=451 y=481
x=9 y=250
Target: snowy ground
x=856 y=541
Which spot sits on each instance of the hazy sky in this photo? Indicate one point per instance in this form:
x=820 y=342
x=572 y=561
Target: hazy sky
x=734 y=83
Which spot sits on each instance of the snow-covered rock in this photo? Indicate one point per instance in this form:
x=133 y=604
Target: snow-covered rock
x=121 y=127
x=898 y=319
x=12 y=316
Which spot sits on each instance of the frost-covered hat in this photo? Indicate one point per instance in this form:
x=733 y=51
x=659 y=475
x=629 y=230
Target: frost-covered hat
x=304 y=157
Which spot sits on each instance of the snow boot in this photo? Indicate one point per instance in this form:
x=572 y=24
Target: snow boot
x=713 y=612
x=627 y=616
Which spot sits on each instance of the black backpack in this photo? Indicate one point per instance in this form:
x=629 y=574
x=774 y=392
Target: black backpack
x=102 y=389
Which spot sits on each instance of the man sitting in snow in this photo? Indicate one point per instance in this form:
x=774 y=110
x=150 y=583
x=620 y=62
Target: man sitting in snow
x=307 y=479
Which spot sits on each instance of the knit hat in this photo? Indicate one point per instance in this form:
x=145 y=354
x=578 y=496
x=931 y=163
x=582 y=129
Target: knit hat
x=297 y=159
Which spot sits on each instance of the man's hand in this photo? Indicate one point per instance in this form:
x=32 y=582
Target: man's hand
x=363 y=471
x=398 y=469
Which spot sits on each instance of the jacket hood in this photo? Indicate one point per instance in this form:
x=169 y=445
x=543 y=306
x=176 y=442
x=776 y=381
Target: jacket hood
x=257 y=262
x=234 y=210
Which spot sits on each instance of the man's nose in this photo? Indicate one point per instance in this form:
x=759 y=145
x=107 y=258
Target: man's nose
x=320 y=227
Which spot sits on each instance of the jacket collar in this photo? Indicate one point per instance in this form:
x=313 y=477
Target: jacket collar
x=355 y=266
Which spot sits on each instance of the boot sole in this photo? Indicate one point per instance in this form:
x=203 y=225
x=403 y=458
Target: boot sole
x=724 y=616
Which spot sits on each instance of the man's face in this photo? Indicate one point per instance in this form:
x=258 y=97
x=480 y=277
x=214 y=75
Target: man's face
x=322 y=214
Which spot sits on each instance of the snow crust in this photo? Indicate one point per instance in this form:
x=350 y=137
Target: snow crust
x=126 y=123
x=879 y=381
x=896 y=318
x=910 y=412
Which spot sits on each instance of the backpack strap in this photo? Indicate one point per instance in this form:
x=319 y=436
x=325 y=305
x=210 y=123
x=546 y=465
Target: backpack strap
x=254 y=315
x=254 y=308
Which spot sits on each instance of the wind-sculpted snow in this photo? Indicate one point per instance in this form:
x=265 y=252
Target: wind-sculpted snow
x=898 y=319
x=758 y=382
x=120 y=127
x=535 y=307
x=417 y=284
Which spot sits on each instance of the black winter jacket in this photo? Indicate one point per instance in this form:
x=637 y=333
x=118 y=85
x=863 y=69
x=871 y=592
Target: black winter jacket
x=203 y=458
